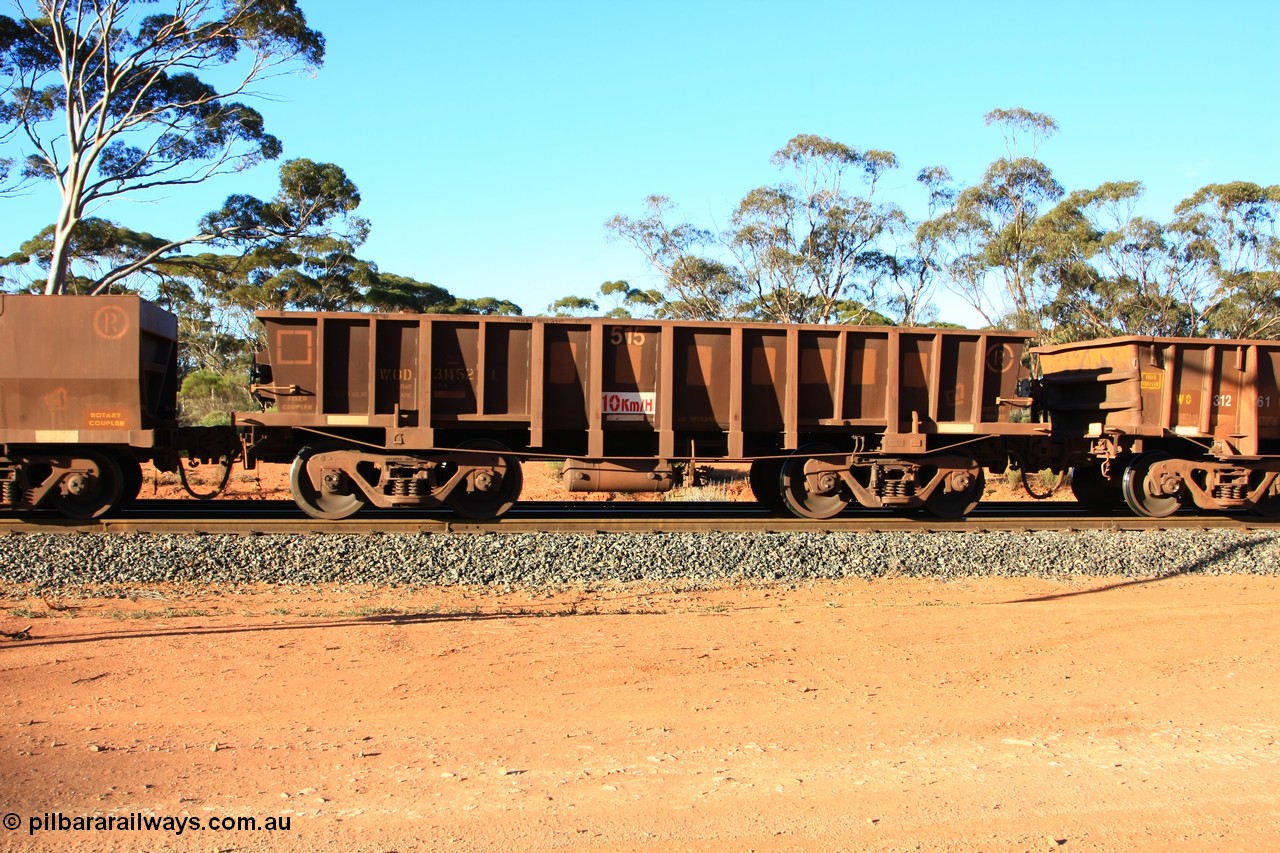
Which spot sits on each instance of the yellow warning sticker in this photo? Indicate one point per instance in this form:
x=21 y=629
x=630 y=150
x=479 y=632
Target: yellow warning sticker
x=1152 y=381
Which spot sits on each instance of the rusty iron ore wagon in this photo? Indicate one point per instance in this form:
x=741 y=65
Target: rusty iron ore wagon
x=88 y=391
x=399 y=410
x=1158 y=422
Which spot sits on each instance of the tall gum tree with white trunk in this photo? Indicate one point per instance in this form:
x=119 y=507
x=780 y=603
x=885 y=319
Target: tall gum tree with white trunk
x=109 y=98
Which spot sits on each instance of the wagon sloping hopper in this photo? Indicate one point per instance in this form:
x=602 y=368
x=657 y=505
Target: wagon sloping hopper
x=88 y=386
x=1163 y=421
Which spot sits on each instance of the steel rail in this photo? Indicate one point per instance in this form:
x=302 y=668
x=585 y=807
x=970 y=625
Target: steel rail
x=283 y=517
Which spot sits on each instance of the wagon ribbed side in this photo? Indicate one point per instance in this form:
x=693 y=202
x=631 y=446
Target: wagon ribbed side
x=1162 y=421
x=852 y=412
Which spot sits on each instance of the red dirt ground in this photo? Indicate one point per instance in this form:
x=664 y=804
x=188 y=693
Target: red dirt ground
x=897 y=714
x=994 y=714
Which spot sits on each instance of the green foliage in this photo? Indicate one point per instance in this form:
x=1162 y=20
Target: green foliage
x=1226 y=238
x=798 y=249
x=991 y=229
x=698 y=287
x=1020 y=249
x=808 y=244
x=1108 y=269
x=627 y=303
x=155 y=100
x=206 y=396
x=573 y=306
x=216 y=419
x=486 y=306
x=389 y=292
x=849 y=312
x=97 y=245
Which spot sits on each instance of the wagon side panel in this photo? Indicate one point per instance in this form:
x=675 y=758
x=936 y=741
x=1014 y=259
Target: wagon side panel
x=85 y=370
x=292 y=354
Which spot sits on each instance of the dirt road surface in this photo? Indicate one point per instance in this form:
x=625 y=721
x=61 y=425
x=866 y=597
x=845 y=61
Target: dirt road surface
x=1001 y=714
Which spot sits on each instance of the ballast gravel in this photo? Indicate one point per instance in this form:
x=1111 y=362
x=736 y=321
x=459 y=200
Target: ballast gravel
x=52 y=561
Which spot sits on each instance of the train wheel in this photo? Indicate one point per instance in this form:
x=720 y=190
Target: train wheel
x=335 y=499
x=828 y=501
x=1094 y=491
x=764 y=482
x=1144 y=495
x=493 y=484
x=959 y=494
x=1268 y=506
x=94 y=493
x=132 y=472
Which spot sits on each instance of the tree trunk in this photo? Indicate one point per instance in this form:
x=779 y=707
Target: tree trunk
x=72 y=186
x=60 y=262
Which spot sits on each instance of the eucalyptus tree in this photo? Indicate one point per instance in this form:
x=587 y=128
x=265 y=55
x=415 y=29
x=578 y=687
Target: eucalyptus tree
x=10 y=34
x=916 y=272
x=699 y=285
x=1111 y=272
x=990 y=228
x=631 y=302
x=98 y=245
x=573 y=306
x=486 y=306
x=807 y=244
x=216 y=336
x=309 y=224
x=111 y=98
x=391 y=292
x=1227 y=248
x=627 y=303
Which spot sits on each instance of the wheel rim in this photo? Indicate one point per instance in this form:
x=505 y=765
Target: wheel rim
x=764 y=482
x=793 y=486
x=92 y=495
x=495 y=501
x=1135 y=488
x=318 y=503
x=1093 y=490
x=958 y=503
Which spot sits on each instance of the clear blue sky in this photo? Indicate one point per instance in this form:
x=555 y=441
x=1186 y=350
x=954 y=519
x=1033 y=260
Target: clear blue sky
x=491 y=140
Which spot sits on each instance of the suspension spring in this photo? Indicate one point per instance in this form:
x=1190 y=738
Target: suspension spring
x=895 y=488
x=9 y=492
x=1230 y=492
x=403 y=487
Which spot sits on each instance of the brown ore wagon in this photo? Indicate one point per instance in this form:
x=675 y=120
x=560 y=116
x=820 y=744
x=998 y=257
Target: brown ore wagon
x=400 y=410
x=88 y=389
x=1159 y=422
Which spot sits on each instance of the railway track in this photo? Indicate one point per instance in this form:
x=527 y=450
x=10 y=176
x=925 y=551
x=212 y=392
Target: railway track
x=283 y=517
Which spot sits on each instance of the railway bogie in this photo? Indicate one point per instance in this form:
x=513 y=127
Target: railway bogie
x=478 y=479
